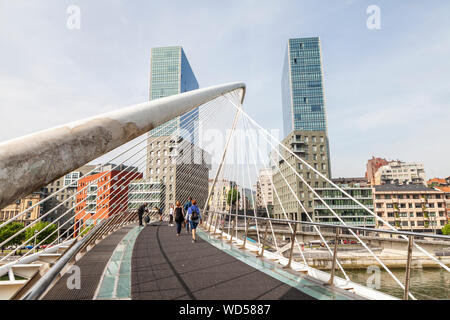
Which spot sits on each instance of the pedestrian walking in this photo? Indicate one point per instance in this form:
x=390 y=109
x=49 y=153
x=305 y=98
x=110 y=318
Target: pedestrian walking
x=194 y=217
x=187 y=205
x=179 y=217
x=159 y=210
x=171 y=215
x=140 y=211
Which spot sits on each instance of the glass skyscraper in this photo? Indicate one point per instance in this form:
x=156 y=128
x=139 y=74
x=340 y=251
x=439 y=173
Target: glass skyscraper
x=305 y=128
x=171 y=73
x=302 y=87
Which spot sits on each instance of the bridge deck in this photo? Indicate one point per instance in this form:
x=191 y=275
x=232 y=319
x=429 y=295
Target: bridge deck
x=164 y=266
x=92 y=265
x=167 y=267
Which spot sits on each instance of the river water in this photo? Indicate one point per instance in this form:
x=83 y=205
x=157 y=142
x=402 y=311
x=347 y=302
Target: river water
x=426 y=284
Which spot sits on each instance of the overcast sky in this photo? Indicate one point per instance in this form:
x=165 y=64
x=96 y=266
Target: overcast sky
x=387 y=90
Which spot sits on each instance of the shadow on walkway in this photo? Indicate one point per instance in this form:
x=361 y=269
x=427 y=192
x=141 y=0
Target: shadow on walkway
x=167 y=267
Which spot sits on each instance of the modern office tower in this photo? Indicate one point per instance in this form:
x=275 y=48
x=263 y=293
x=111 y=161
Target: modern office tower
x=171 y=73
x=303 y=97
x=304 y=125
x=348 y=210
x=171 y=148
x=411 y=207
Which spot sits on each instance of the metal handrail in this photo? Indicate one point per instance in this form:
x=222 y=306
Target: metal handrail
x=47 y=279
x=337 y=229
x=406 y=233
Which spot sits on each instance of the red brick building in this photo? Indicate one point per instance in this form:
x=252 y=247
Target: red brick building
x=372 y=166
x=103 y=194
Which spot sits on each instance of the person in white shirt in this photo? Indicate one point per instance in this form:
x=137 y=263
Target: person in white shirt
x=171 y=215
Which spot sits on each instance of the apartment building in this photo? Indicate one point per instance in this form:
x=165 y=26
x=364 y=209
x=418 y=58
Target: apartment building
x=312 y=147
x=103 y=194
x=398 y=172
x=347 y=209
x=21 y=205
x=410 y=207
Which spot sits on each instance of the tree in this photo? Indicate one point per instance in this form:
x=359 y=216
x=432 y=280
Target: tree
x=446 y=229
x=8 y=231
x=44 y=234
x=232 y=196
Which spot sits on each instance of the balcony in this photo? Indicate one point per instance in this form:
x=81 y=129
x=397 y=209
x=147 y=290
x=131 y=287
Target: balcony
x=349 y=206
x=296 y=140
x=296 y=148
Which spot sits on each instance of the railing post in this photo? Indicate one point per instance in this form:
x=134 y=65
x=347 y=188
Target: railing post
x=233 y=225
x=333 y=264
x=408 y=268
x=246 y=233
x=291 y=252
x=223 y=227
x=210 y=222
x=217 y=222
x=261 y=254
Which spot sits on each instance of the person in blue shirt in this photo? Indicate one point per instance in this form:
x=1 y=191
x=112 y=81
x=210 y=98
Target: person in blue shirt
x=193 y=217
x=186 y=208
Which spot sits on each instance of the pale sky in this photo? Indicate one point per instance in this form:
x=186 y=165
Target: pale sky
x=387 y=91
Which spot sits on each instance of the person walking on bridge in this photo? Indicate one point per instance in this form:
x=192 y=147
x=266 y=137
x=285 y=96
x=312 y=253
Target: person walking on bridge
x=140 y=211
x=187 y=205
x=179 y=217
x=193 y=217
x=171 y=215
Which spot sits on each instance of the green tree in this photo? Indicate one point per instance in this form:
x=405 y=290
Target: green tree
x=8 y=231
x=232 y=196
x=38 y=227
x=446 y=229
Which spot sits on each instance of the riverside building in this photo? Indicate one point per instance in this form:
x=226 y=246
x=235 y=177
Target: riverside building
x=347 y=209
x=398 y=172
x=412 y=207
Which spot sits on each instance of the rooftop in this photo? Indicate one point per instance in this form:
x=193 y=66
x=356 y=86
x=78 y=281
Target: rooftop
x=445 y=189
x=402 y=188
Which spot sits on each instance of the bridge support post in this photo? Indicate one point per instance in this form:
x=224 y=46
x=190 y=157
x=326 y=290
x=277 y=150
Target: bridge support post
x=408 y=268
x=222 y=226
x=210 y=222
x=291 y=252
x=217 y=222
x=246 y=233
x=261 y=254
x=233 y=226
x=333 y=264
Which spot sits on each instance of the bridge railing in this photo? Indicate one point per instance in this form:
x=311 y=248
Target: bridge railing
x=225 y=225
x=123 y=137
